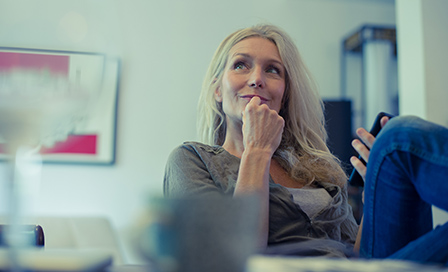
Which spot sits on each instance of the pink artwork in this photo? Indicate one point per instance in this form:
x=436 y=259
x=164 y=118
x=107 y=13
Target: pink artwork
x=97 y=145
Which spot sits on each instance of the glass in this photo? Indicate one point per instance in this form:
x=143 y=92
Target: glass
x=36 y=107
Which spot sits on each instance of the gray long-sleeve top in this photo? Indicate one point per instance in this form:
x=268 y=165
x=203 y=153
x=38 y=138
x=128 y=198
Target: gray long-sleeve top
x=194 y=168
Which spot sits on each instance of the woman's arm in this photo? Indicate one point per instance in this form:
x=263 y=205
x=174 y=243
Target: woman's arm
x=358 y=237
x=363 y=148
x=187 y=175
x=253 y=178
x=262 y=133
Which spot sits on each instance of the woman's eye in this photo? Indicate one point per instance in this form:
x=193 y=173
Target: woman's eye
x=273 y=70
x=239 y=65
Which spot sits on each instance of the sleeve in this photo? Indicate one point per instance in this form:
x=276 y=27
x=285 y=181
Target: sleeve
x=186 y=174
x=349 y=227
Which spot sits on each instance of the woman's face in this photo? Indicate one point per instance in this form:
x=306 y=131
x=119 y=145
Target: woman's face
x=254 y=68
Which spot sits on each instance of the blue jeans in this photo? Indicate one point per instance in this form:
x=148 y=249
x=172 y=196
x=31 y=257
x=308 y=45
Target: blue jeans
x=407 y=173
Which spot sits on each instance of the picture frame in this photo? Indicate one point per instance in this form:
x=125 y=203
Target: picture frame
x=86 y=136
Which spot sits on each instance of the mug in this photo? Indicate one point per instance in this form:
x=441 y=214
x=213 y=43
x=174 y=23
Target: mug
x=199 y=234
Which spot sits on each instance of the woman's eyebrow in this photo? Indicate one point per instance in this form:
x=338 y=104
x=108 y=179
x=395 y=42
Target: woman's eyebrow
x=245 y=55
x=236 y=54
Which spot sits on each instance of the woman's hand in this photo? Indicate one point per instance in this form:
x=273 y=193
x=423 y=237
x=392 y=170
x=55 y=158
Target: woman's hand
x=363 y=148
x=262 y=127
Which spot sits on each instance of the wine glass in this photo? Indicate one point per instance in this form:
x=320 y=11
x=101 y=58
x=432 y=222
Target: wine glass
x=35 y=107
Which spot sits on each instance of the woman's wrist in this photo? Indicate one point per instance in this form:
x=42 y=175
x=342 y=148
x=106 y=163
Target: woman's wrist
x=253 y=150
x=254 y=167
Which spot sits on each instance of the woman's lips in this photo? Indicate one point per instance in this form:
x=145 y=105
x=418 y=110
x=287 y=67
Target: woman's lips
x=249 y=97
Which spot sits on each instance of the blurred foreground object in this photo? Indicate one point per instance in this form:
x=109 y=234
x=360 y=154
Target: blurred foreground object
x=35 y=233
x=261 y=263
x=36 y=106
x=195 y=234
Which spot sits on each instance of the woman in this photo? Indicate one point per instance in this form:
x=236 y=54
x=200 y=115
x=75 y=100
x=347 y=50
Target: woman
x=406 y=174
x=262 y=123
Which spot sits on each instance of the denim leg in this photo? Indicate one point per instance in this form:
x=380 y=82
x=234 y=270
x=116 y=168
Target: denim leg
x=430 y=248
x=407 y=173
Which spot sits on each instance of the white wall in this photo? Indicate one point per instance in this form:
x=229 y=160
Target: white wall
x=423 y=84
x=422 y=41
x=165 y=47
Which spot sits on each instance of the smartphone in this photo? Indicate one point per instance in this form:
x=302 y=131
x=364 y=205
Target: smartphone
x=355 y=178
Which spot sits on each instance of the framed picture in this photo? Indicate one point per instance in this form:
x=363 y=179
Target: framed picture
x=66 y=102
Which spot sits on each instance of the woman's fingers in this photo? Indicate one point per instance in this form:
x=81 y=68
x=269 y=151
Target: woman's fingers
x=384 y=120
x=359 y=166
x=262 y=127
x=362 y=150
x=363 y=147
x=365 y=137
x=366 y=141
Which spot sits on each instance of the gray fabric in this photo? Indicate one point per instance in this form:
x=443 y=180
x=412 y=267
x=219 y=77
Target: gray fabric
x=311 y=200
x=195 y=168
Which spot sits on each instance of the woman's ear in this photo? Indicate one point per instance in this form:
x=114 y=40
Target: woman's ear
x=218 y=95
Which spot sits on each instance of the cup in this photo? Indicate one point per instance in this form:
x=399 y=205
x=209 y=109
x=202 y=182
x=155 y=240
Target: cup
x=199 y=234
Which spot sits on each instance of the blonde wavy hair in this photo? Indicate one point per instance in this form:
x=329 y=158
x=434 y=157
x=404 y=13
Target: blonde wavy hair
x=303 y=152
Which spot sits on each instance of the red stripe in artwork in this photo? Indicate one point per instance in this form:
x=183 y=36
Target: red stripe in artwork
x=56 y=64
x=74 y=144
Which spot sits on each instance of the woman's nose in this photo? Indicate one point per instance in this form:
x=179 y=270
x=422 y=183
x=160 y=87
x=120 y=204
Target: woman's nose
x=256 y=79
